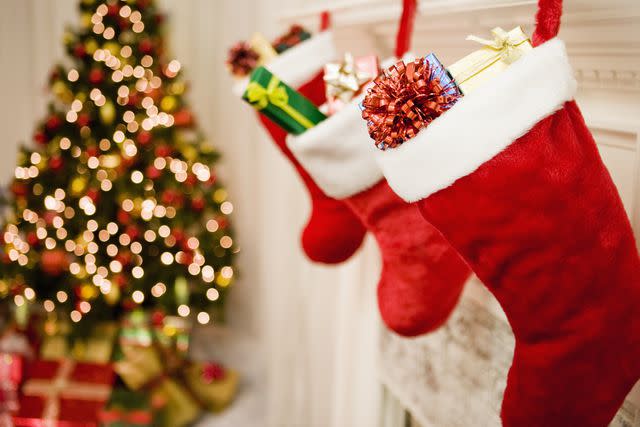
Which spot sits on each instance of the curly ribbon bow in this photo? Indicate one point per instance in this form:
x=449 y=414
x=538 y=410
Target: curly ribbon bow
x=504 y=43
x=275 y=95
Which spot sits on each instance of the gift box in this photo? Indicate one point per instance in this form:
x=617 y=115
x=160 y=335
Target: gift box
x=283 y=105
x=97 y=348
x=64 y=393
x=215 y=386
x=346 y=79
x=128 y=408
x=497 y=55
x=150 y=370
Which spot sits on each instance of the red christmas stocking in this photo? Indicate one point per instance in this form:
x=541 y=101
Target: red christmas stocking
x=332 y=233
x=513 y=179
x=422 y=275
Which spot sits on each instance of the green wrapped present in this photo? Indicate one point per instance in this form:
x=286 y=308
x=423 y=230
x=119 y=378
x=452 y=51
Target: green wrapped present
x=284 y=106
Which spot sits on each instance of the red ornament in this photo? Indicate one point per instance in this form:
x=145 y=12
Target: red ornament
x=56 y=163
x=134 y=99
x=79 y=51
x=113 y=10
x=48 y=217
x=41 y=138
x=178 y=234
x=183 y=118
x=19 y=189
x=4 y=258
x=187 y=256
x=191 y=180
x=146 y=47
x=92 y=151
x=133 y=232
x=222 y=222
x=32 y=239
x=84 y=120
x=198 y=204
x=153 y=173
x=143 y=138
x=172 y=197
x=93 y=194
x=123 y=217
x=163 y=150
x=96 y=76
x=124 y=258
x=54 y=262
x=53 y=124
x=121 y=279
x=160 y=18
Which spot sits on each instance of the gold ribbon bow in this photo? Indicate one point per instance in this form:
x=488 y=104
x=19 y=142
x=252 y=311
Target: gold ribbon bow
x=276 y=95
x=504 y=43
x=344 y=79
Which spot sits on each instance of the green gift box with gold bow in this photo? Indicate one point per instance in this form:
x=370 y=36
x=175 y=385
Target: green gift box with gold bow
x=283 y=105
x=497 y=55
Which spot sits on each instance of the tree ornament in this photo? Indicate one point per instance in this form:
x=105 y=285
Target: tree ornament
x=169 y=104
x=198 y=204
x=183 y=118
x=123 y=217
x=133 y=232
x=107 y=113
x=79 y=50
x=78 y=185
x=54 y=262
x=32 y=239
x=96 y=76
x=164 y=150
x=153 y=173
x=56 y=163
x=53 y=124
x=146 y=47
x=84 y=119
x=93 y=194
x=41 y=138
x=143 y=138
x=19 y=189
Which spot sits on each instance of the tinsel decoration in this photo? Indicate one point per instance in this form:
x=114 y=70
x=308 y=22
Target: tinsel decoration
x=406 y=98
x=242 y=59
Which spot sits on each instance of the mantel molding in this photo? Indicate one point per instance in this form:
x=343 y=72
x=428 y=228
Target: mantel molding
x=603 y=38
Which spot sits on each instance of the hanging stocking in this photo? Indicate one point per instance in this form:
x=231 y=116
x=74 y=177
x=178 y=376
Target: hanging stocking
x=332 y=233
x=422 y=276
x=513 y=179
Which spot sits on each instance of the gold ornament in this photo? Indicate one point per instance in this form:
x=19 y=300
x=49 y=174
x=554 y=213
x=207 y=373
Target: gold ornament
x=91 y=46
x=78 y=185
x=107 y=113
x=113 y=296
x=112 y=47
x=169 y=104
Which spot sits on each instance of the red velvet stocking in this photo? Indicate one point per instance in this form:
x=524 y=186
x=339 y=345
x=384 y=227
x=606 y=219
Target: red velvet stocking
x=513 y=179
x=422 y=275
x=332 y=233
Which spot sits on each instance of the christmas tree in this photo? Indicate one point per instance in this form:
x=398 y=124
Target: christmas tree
x=115 y=206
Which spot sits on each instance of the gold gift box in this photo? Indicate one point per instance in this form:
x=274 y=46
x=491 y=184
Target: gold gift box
x=497 y=55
